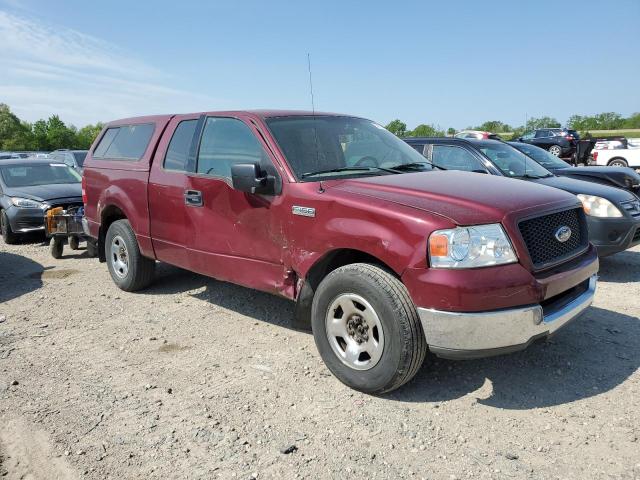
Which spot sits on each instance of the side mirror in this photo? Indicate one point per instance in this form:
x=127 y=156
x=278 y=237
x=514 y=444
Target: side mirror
x=249 y=177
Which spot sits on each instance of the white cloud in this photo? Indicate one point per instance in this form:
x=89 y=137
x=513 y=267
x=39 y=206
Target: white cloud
x=83 y=79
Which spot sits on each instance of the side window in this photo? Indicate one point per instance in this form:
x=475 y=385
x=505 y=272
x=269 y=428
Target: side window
x=418 y=148
x=178 y=150
x=68 y=160
x=225 y=142
x=454 y=158
x=542 y=133
x=127 y=142
x=528 y=135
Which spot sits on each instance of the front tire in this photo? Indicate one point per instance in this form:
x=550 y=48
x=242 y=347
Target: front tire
x=5 y=227
x=555 y=150
x=618 y=162
x=129 y=269
x=367 y=329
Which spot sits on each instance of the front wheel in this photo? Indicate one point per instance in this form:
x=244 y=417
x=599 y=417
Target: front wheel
x=129 y=269
x=555 y=150
x=5 y=228
x=618 y=162
x=367 y=329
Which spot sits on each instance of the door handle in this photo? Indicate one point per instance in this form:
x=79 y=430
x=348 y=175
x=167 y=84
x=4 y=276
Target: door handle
x=193 y=198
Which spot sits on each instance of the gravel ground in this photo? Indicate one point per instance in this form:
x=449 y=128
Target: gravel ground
x=195 y=378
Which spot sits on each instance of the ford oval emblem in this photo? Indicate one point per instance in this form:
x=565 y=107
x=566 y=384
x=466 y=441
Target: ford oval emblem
x=563 y=234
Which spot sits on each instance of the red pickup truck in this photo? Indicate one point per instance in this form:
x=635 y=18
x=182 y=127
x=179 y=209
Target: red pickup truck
x=385 y=255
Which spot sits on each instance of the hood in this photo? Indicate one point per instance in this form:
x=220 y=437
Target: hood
x=623 y=177
x=464 y=198
x=47 y=193
x=571 y=185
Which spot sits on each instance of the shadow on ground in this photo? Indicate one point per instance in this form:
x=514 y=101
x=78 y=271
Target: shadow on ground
x=592 y=355
x=622 y=267
x=18 y=275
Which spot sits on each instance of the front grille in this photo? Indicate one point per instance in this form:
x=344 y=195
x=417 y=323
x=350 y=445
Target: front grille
x=632 y=208
x=32 y=222
x=539 y=235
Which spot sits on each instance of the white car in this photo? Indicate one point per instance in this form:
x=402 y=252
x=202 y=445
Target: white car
x=626 y=157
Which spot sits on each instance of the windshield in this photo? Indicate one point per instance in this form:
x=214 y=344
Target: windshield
x=39 y=174
x=512 y=162
x=80 y=156
x=357 y=147
x=541 y=156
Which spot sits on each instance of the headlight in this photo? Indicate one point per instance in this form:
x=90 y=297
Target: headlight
x=27 y=203
x=598 y=206
x=470 y=247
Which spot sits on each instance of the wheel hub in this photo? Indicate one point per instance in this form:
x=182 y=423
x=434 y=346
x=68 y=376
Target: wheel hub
x=358 y=329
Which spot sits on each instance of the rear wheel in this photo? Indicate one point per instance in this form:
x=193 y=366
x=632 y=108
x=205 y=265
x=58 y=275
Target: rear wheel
x=618 y=162
x=74 y=243
x=56 y=246
x=367 y=329
x=555 y=150
x=5 y=227
x=129 y=269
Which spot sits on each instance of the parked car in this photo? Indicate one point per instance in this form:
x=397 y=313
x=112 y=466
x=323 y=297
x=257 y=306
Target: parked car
x=72 y=158
x=621 y=177
x=30 y=187
x=628 y=157
x=384 y=256
x=560 y=142
x=477 y=134
x=613 y=214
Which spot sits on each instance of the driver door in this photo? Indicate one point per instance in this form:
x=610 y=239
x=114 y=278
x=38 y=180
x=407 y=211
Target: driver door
x=237 y=236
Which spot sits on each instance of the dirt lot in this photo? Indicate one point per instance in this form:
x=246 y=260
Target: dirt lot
x=195 y=378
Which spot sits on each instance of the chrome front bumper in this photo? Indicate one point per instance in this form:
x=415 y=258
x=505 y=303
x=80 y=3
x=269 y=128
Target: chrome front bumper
x=463 y=335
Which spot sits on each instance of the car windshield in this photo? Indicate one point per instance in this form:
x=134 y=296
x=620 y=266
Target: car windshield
x=38 y=174
x=318 y=147
x=512 y=162
x=80 y=156
x=541 y=156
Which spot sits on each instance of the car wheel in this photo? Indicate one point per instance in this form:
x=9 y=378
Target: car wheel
x=74 y=243
x=5 y=227
x=129 y=269
x=555 y=150
x=367 y=329
x=618 y=162
x=56 y=247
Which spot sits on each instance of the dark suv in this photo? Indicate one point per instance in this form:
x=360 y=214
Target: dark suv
x=613 y=214
x=560 y=142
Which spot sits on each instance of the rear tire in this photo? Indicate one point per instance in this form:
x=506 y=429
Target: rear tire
x=74 y=243
x=56 y=247
x=618 y=162
x=5 y=227
x=367 y=329
x=555 y=150
x=129 y=269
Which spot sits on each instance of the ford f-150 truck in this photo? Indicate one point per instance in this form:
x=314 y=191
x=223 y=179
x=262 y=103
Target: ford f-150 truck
x=383 y=259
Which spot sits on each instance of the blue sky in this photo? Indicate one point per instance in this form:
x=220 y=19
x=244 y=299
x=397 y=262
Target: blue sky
x=448 y=63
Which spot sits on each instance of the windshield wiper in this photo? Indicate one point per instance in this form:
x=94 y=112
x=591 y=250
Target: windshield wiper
x=415 y=165
x=347 y=169
x=533 y=177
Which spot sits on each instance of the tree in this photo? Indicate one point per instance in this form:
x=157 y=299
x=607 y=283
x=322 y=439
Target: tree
x=58 y=134
x=424 y=130
x=633 y=121
x=542 y=122
x=451 y=131
x=494 y=126
x=397 y=127
x=86 y=135
x=39 y=131
x=10 y=127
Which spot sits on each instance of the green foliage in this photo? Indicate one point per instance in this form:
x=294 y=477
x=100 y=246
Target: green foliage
x=451 y=131
x=633 y=121
x=601 y=121
x=494 y=126
x=45 y=135
x=424 y=130
x=397 y=127
x=542 y=122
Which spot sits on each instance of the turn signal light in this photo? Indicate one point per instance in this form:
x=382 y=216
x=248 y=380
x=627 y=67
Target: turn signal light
x=438 y=245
